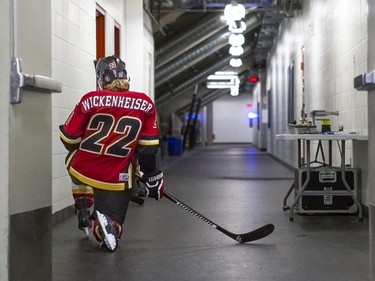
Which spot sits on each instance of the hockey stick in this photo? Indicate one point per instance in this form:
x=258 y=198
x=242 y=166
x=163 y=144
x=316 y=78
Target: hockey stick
x=241 y=238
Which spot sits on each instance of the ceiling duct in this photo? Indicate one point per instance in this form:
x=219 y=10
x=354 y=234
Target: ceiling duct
x=207 y=97
x=194 y=55
x=189 y=39
x=197 y=78
x=194 y=79
x=176 y=90
x=199 y=4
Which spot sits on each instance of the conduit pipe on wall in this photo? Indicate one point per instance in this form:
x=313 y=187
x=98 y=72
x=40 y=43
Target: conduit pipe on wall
x=14 y=29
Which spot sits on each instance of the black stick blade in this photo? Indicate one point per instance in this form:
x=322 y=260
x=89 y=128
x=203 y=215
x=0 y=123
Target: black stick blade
x=241 y=238
x=137 y=200
x=256 y=234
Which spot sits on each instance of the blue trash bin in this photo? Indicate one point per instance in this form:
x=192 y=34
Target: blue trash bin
x=175 y=144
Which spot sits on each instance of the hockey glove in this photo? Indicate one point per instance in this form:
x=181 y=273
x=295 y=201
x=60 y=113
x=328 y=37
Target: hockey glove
x=151 y=185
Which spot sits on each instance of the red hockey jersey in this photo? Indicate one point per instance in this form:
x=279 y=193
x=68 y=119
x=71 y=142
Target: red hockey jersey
x=102 y=134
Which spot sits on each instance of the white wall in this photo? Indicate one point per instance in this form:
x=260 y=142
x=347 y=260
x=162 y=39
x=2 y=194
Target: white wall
x=260 y=102
x=371 y=116
x=371 y=148
x=334 y=37
x=139 y=48
x=230 y=121
x=287 y=50
x=73 y=53
x=5 y=54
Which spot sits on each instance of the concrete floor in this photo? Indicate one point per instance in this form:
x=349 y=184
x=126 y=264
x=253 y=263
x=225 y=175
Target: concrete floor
x=241 y=189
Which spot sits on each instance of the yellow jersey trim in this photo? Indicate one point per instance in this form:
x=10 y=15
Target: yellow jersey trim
x=69 y=158
x=82 y=191
x=69 y=140
x=148 y=142
x=99 y=184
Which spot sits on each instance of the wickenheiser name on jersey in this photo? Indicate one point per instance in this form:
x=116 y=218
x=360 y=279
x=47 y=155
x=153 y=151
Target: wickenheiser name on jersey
x=117 y=101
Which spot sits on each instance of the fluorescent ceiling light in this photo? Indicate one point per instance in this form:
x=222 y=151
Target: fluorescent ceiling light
x=234 y=91
x=235 y=62
x=252 y=115
x=234 y=11
x=236 y=51
x=236 y=39
x=220 y=86
x=223 y=84
x=226 y=73
x=237 y=27
x=221 y=77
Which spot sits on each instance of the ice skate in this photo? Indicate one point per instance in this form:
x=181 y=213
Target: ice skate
x=83 y=215
x=107 y=231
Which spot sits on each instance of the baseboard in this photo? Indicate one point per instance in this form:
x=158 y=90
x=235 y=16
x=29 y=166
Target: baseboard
x=62 y=215
x=30 y=241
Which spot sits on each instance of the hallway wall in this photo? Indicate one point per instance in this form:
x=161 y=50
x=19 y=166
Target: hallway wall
x=28 y=164
x=73 y=53
x=330 y=37
x=335 y=50
x=371 y=149
x=230 y=121
x=4 y=137
x=260 y=107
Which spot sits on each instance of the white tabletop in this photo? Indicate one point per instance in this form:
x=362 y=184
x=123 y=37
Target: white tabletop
x=335 y=136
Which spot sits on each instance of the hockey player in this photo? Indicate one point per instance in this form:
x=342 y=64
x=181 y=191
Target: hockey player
x=112 y=137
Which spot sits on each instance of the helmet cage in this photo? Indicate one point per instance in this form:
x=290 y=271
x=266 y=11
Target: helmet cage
x=109 y=69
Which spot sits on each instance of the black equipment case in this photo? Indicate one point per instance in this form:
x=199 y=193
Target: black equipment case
x=326 y=192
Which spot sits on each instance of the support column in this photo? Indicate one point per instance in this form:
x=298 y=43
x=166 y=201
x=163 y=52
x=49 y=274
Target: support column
x=263 y=106
x=134 y=46
x=209 y=125
x=30 y=150
x=371 y=138
x=372 y=241
x=4 y=140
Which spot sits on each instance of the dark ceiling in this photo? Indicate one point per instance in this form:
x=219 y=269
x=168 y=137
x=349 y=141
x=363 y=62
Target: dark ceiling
x=191 y=42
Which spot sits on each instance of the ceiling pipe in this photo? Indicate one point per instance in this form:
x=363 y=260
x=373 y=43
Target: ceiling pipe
x=190 y=58
x=155 y=22
x=196 y=54
x=218 y=4
x=196 y=78
x=205 y=29
x=209 y=96
x=171 y=94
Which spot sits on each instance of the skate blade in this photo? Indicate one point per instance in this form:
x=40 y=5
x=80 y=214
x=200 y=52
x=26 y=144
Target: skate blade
x=86 y=231
x=109 y=239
